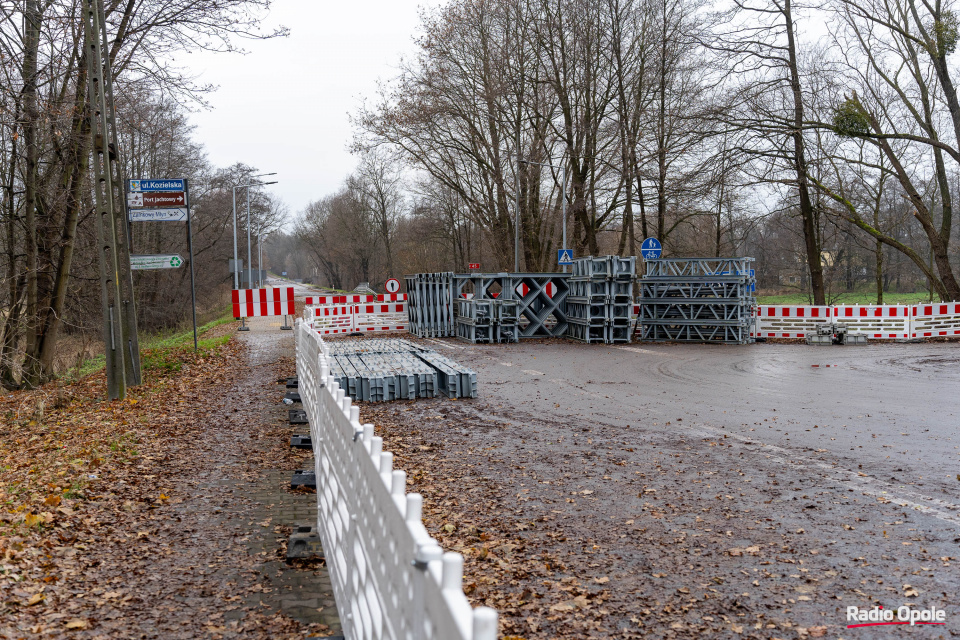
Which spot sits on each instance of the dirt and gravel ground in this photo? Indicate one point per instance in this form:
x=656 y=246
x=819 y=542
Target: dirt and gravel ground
x=680 y=491
x=162 y=516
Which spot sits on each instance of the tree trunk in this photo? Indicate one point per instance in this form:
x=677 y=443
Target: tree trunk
x=810 y=236
x=31 y=45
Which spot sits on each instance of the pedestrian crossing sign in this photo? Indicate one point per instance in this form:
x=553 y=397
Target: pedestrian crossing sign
x=564 y=256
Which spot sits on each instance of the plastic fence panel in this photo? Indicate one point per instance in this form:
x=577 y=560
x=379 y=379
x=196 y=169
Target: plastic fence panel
x=390 y=578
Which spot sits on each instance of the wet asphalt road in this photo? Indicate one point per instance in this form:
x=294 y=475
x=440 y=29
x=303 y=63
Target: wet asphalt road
x=770 y=485
x=892 y=410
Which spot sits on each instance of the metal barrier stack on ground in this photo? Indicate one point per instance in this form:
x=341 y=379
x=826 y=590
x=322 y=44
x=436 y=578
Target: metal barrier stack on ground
x=488 y=321
x=698 y=300
x=600 y=301
x=381 y=370
x=541 y=305
x=430 y=298
x=541 y=299
x=391 y=580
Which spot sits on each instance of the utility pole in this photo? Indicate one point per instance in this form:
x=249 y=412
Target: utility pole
x=122 y=347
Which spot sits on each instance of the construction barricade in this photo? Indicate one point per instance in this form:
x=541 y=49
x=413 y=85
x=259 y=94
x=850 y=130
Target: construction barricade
x=789 y=321
x=935 y=320
x=340 y=314
x=391 y=580
x=270 y=301
x=879 y=322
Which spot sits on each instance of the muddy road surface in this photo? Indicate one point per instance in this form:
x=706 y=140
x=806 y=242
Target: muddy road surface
x=694 y=491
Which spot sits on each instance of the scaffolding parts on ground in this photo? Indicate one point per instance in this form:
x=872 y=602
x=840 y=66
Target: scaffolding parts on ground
x=600 y=301
x=383 y=369
x=541 y=302
x=698 y=300
x=488 y=321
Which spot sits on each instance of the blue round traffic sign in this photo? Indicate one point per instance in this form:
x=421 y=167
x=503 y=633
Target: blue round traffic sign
x=651 y=249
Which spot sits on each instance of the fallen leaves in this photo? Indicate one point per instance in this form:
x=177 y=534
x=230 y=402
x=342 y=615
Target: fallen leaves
x=78 y=623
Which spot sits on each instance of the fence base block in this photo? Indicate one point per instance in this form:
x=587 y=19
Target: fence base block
x=303 y=478
x=304 y=544
x=297 y=416
x=301 y=442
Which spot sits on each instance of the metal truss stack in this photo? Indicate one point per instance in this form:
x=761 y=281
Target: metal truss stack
x=600 y=301
x=698 y=300
x=488 y=321
x=430 y=298
x=379 y=370
x=525 y=305
x=541 y=300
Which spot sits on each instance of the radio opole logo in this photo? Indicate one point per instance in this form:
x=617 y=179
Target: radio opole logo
x=878 y=616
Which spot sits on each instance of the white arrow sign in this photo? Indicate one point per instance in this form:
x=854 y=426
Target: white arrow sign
x=158 y=261
x=163 y=215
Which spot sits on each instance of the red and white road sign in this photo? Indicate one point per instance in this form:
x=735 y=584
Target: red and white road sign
x=474 y=266
x=392 y=285
x=157 y=199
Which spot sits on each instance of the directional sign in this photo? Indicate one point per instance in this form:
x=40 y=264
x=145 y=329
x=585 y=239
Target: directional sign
x=157 y=261
x=156 y=185
x=393 y=285
x=564 y=256
x=474 y=266
x=651 y=249
x=157 y=199
x=163 y=215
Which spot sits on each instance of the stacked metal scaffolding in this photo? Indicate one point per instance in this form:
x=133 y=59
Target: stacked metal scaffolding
x=382 y=369
x=600 y=301
x=430 y=308
x=541 y=303
x=698 y=300
x=488 y=321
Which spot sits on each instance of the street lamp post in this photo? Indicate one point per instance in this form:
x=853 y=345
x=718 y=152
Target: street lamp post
x=236 y=273
x=563 y=197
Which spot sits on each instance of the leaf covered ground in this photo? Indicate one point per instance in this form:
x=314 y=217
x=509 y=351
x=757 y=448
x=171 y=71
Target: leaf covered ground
x=127 y=518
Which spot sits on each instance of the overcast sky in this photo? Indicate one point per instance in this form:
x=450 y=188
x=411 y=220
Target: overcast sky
x=283 y=106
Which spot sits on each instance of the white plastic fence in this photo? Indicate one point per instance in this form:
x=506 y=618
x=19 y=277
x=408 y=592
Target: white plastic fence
x=390 y=579
x=879 y=322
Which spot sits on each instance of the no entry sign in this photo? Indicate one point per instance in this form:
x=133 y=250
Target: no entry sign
x=392 y=285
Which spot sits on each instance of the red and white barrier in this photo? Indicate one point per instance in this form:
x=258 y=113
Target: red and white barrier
x=355 y=298
x=350 y=318
x=272 y=301
x=935 y=320
x=788 y=321
x=880 y=322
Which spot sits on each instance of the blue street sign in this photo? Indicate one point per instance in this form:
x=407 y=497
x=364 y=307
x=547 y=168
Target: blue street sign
x=156 y=185
x=564 y=256
x=651 y=249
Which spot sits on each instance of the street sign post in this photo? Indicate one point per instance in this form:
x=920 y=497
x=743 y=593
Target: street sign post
x=156 y=261
x=178 y=184
x=177 y=214
x=651 y=249
x=564 y=256
x=392 y=285
x=165 y=200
